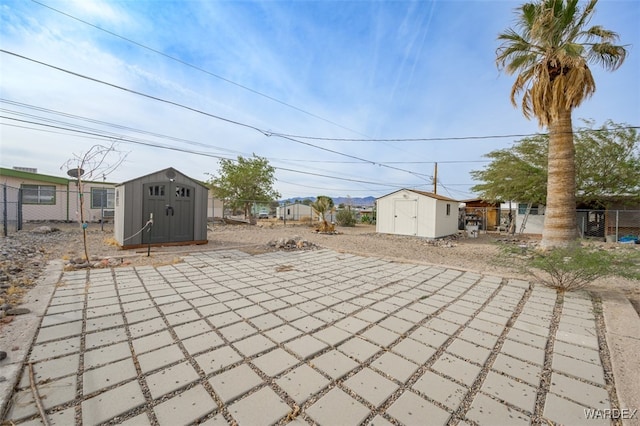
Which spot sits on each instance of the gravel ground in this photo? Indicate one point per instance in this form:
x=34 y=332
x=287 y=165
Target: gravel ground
x=24 y=254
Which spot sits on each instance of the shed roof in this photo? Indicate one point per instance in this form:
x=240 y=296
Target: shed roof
x=166 y=172
x=424 y=193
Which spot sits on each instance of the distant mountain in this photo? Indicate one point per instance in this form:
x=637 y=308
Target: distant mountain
x=354 y=201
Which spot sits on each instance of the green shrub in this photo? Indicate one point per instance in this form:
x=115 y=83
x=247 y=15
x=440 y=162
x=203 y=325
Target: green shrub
x=345 y=218
x=561 y=268
x=570 y=268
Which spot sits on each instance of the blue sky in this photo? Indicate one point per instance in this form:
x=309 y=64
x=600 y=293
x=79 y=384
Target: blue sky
x=319 y=69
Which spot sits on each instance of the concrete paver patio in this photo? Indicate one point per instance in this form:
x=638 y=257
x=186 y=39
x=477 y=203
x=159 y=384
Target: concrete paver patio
x=312 y=337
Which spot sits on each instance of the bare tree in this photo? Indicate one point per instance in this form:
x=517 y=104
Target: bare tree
x=99 y=160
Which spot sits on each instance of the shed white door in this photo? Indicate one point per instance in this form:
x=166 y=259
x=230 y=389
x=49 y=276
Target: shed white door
x=405 y=217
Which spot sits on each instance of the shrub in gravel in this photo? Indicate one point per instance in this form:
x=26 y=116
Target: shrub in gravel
x=345 y=217
x=570 y=268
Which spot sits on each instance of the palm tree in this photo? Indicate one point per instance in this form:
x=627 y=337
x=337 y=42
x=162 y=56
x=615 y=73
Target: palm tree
x=550 y=49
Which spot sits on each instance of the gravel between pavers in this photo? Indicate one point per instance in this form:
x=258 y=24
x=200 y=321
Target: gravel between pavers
x=32 y=251
x=24 y=254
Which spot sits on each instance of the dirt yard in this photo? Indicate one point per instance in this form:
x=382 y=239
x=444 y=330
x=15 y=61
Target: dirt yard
x=23 y=255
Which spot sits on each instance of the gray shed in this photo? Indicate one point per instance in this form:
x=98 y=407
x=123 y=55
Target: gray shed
x=177 y=204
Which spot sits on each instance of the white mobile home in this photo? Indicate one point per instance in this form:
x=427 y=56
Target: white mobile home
x=411 y=212
x=294 y=212
x=51 y=198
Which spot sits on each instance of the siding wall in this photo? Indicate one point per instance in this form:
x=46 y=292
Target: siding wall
x=446 y=224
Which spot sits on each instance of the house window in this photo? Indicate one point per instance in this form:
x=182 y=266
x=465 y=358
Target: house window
x=448 y=209
x=38 y=194
x=522 y=209
x=102 y=198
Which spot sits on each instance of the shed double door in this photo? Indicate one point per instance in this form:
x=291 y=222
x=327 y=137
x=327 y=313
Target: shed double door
x=172 y=206
x=405 y=217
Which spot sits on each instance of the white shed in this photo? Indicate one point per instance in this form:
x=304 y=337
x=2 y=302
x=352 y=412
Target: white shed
x=411 y=212
x=295 y=211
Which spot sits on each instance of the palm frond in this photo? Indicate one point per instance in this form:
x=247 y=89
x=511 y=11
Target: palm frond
x=548 y=50
x=609 y=56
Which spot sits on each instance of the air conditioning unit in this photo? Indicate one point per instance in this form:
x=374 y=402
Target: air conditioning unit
x=108 y=214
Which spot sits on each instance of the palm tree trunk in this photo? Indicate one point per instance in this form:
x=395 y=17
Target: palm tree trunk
x=560 y=225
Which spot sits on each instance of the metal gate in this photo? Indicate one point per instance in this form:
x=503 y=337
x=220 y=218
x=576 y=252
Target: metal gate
x=172 y=206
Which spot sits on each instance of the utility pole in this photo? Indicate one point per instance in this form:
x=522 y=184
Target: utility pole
x=435 y=178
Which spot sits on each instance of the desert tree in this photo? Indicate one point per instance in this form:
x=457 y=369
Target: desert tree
x=245 y=181
x=607 y=167
x=98 y=161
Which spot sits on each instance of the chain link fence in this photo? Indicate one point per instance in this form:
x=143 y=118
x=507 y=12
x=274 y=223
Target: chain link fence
x=34 y=204
x=605 y=225
x=11 y=201
x=610 y=225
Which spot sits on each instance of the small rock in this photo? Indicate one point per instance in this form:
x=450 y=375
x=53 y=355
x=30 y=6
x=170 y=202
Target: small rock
x=42 y=230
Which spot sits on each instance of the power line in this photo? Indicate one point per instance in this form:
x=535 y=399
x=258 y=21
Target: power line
x=135 y=92
x=195 y=67
x=187 y=141
x=191 y=109
x=386 y=162
x=97 y=136
x=294 y=138
x=448 y=138
x=110 y=134
x=102 y=123
x=155 y=145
